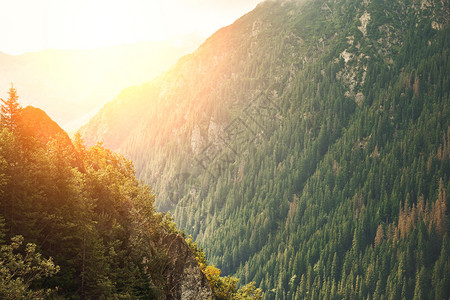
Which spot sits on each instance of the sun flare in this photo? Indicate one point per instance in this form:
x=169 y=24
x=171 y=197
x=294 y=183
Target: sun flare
x=34 y=25
x=75 y=55
x=92 y=24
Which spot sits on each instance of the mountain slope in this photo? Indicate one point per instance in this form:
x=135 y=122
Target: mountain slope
x=306 y=147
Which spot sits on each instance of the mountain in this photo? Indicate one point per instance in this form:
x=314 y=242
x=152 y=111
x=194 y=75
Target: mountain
x=41 y=126
x=72 y=85
x=305 y=147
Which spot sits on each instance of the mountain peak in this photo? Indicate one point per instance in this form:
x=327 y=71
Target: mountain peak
x=40 y=125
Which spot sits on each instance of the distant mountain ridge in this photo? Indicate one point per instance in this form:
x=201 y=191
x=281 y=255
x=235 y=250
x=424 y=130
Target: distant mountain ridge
x=305 y=147
x=72 y=85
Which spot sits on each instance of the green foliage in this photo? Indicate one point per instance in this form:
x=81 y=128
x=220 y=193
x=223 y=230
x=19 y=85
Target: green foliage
x=198 y=252
x=20 y=267
x=95 y=220
x=224 y=288
x=249 y=291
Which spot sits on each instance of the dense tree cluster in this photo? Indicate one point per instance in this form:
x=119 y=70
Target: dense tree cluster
x=75 y=221
x=93 y=220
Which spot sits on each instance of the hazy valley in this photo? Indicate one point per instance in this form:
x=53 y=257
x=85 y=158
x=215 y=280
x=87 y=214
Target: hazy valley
x=72 y=85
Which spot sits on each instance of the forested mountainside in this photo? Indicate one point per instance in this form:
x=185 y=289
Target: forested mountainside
x=75 y=223
x=306 y=147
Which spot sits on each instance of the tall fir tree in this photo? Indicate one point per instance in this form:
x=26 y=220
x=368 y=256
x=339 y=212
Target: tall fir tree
x=10 y=111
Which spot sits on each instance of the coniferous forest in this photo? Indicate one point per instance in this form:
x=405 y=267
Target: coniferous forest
x=303 y=152
x=315 y=160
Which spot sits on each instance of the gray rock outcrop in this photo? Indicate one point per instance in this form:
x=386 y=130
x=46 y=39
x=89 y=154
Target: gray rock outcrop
x=183 y=275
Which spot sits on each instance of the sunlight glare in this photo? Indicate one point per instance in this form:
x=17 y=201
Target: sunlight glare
x=90 y=24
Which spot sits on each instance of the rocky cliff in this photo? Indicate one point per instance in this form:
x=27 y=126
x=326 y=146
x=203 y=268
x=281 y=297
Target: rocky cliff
x=183 y=276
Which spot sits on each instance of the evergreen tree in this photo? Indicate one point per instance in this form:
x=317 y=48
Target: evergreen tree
x=10 y=111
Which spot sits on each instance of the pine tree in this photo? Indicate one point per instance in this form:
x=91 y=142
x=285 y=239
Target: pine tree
x=379 y=235
x=10 y=111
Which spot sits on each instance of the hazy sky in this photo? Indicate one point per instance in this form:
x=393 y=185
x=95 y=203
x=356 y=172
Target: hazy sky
x=30 y=25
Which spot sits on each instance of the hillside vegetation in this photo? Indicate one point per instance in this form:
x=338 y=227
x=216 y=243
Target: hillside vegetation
x=306 y=147
x=75 y=223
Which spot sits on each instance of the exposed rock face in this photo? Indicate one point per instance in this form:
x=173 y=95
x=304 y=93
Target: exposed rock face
x=184 y=278
x=365 y=18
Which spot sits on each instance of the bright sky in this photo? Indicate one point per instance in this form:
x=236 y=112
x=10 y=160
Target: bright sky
x=31 y=25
